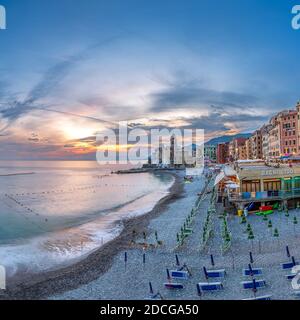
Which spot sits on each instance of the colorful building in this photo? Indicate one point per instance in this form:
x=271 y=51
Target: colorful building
x=259 y=184
x=223 y=153
x=210 y=152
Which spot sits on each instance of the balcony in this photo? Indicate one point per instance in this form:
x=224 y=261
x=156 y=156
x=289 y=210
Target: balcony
x=263 y=196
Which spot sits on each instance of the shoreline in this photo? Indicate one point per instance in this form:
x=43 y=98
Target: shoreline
x=90 y=267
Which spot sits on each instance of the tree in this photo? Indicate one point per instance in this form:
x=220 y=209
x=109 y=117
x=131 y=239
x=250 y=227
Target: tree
x=295 y=222
x=243 y=220
x=270 y=226
x=251 y=237
x=249 y=228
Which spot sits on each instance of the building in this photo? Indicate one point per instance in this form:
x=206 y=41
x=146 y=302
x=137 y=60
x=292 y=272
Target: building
x=248 y=146
x=210 y=152
x=298 y=124
x=242 y=152
x=274 y=138
x=259 y=184
x=234 y=148
x=256 y=144
x=265 y=134
x=222 y=153
x=288 y=121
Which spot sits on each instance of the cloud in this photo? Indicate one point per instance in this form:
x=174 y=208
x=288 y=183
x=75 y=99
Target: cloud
x=49 y=82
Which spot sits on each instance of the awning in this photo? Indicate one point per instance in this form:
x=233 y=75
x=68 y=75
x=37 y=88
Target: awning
x=232 y=186
x=219 y=177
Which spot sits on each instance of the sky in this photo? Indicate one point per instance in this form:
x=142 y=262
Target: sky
x=71 y=68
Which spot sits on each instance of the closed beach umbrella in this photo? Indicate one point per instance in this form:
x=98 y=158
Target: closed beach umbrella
x=212 y=260
x=250 y=269
x=199 y=290
x=144 y=258
x=293 y=260
x=168 y=275
x=150 y=287
x=251 y=257
x=205 y=272
x=254 y=286
x=177 y=260
x=287 y=251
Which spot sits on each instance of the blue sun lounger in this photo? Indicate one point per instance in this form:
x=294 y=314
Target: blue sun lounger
x=266 y=297
x=289 y=265
x=177 y=274
x=210 y=286
x=249 y=284
x=174 y=286
x=216 y=273
x=290 y=276
x=254 y=271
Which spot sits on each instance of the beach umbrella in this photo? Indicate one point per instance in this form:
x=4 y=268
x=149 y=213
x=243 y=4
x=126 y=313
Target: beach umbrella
x=293 y=260
x=150 y=287
x=177 y=260
x=250 y=269
x=251 y=257
x=205 y=272
x=168 y=275
x=254 y=286
x=125 y=259
x=287 y=251
x=212 y=261
x=199 y=290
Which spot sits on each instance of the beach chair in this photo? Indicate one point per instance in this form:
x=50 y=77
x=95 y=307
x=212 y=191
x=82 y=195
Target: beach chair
x=249 y=284
x=156 y=296
x=187 y=231
x=252 y=272
x=216 y=273
x=178 y=274
x=210 y=286
x=173 y=286
x=296 y=293
x=266 y=297
x=288 y=265
x=290 y=276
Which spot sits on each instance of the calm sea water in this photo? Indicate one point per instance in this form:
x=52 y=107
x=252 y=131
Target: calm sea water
x=54 y=212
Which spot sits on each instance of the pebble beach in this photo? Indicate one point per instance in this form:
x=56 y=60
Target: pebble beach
x=107 y=274
x=130 y=281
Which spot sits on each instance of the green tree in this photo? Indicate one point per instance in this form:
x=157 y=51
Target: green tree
x=243 y=220
x=270 y=224
x=249 y=227
x=251 y=237
x=295 y=222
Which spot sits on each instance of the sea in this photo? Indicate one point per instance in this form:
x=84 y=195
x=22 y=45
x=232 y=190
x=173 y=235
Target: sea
x=53 y=213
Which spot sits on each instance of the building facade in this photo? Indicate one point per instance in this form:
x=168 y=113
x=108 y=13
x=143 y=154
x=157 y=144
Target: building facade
x=256 y=144
x=222 y=153
x=288 y=121
x=210 y=152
